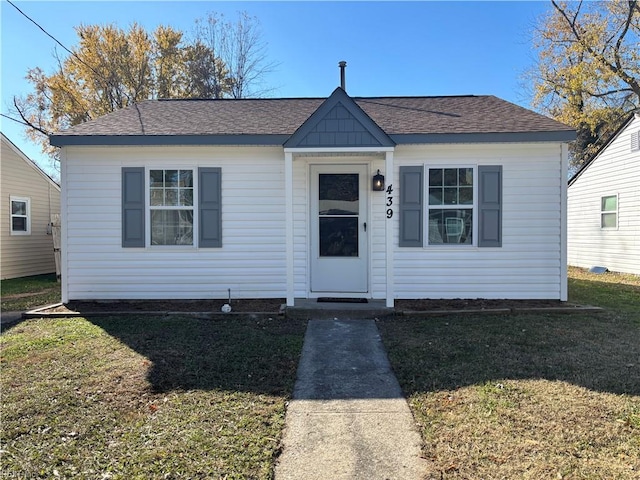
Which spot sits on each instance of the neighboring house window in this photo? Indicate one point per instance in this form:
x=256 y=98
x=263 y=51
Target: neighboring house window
x=171 y=205
x=20 y=216
x=451 y=206
x=609 y=212
x=181 y=208
x=456 y=200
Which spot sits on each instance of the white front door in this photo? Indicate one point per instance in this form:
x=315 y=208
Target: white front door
x=339 y=245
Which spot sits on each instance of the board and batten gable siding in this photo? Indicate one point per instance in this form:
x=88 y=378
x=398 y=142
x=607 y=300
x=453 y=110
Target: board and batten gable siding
x=528 y=264
x=25 y=255
x=616 y=171
x=251 y=261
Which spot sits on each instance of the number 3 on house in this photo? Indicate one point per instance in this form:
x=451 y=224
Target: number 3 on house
x=389 y=201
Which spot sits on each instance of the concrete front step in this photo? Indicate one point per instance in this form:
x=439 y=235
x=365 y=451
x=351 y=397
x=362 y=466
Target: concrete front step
x=305 y=309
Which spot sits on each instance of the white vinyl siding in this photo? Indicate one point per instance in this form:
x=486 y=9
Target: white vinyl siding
x=251 y=262
x=252 y=259
x=616 y=170
x=528 y=264
x=24 y=255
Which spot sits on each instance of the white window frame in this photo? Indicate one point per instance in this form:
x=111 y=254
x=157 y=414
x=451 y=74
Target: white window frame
x=609 y=212
x=473 y=207
x=27 y=201
x=149 y=208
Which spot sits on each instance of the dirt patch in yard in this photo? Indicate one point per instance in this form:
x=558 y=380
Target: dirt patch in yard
x=273 y=305
x=266 y=305
x=476 y=304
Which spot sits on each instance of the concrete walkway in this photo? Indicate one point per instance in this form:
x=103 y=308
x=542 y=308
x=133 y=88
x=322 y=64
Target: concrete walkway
x=348 y=418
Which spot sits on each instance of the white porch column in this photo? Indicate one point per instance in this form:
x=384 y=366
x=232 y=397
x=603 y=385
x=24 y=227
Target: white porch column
x=288 y=189
x=389 y=222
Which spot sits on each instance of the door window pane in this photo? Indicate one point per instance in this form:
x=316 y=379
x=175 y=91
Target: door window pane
x=338 y=194
x=338 y=236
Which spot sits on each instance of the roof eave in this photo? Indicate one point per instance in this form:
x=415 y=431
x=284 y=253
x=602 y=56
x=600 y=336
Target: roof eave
x=150 y=140
x=491 y=137
x=281 y=139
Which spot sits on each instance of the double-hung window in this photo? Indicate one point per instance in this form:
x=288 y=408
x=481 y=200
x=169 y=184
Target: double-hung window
x=450 y=206
x=171 y=207
x=456 y=205
x=609 y=212
x=20 y=215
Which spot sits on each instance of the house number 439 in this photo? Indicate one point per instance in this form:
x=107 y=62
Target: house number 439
x=389 y=201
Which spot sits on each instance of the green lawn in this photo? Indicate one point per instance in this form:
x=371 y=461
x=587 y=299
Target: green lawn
x=25 y=293
x=528 y=396
x=145 y=397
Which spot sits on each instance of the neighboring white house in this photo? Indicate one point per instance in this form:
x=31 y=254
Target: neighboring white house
x=185 y=199
x=29 y=197
x=604 y=205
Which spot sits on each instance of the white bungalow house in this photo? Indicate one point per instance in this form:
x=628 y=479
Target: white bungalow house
x=29 y=198
x=604 y=205
x=284 y=198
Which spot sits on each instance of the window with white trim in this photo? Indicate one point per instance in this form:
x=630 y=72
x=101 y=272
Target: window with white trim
x=450 y=206
x=20 y=215
x=609 y=211
x=171 y=206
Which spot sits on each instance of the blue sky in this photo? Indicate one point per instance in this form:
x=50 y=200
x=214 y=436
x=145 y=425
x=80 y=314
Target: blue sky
x=391 y=48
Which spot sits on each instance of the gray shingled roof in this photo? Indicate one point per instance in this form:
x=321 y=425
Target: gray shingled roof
x=397 y=116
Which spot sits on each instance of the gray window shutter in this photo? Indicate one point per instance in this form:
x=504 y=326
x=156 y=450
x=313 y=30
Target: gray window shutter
x=490 y=205
x=210 y=207
x=411 y=206
x=133 y=207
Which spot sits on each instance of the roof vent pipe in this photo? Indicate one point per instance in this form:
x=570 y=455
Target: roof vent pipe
x=342 y=64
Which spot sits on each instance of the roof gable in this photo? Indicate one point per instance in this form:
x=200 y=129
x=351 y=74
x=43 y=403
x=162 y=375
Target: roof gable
x=339 y=122
x=6 y=143
x=633 y=117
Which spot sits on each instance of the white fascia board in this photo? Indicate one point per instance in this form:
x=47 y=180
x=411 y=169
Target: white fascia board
x=340 y=150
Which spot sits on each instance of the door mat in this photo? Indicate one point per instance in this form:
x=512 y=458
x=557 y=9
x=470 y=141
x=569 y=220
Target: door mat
x=342 y=300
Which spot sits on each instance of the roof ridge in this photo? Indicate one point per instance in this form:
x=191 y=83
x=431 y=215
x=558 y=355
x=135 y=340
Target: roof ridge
x=390 y=97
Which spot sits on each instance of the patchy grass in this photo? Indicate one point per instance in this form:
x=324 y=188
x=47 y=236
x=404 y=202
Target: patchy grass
x=29 y=292
x=528 y=396
x=146 y=397
x=616 y=291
